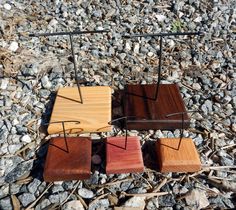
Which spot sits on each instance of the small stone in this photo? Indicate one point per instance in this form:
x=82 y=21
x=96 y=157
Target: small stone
x=26 y=138
x=20 y=170
x=196 y=86
x=26 y=199
x=100 y=204
x=58 y=198
x=233 y=127
x=4 y=83
x=85 y=193
x=33 y=186
x=13 y=148
x=5 y=203
x=160 y=18
x=73 y=205
x=136 y=48
x=198 y=19
x=7 y=6
x=13 y=46
x=197 y=198
x=96 y=159
x=138 y=202
x=150 y=54
x=45 y=82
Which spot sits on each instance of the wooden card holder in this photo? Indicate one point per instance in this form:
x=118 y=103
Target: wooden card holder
x=123 y=157
x=93 y=114
x=146 y=112
x=68 y=159
x=175 y=157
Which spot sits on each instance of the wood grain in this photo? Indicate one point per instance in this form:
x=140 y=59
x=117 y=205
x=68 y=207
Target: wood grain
x=72 y=164
x=94 y=114
x=151 y=114
x=185 y=159
x=121 y=160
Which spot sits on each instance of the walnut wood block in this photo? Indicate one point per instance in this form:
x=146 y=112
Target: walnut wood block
x=185 y=159
x=139 y=102
x=72 y=164
x=120 y=160
x=94 y=114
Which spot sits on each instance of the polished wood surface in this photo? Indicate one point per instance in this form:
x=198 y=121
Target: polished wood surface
x=70 y=163
x=172 y=159
x=94 y=114
x=121 y=160
x=139 y=101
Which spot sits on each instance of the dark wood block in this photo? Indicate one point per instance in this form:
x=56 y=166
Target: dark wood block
x=120 y=160
x=72 y=164
x=140 y=102
x=174 y=159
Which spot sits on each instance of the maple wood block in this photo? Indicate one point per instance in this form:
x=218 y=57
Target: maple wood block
x=150 y=113
x=94 y=114
x=121 y=160
x=68 y=164
x=172 y=159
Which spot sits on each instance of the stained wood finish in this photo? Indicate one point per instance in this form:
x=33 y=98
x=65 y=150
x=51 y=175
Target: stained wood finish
x=185 y=159
x=139 y=102
x=120 y=160
x=94 y=114
x=72 y=164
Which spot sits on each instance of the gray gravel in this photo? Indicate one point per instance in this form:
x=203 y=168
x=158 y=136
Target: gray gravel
x=32 y=70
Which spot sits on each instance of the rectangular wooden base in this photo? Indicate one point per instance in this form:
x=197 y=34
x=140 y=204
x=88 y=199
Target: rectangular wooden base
x=148 y=113
x=172 y=159
x=94 y=114
x=68 y=163
x=120 y=160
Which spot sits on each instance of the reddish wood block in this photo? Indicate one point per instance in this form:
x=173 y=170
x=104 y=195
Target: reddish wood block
x=140 y=102
x=121 y=160
x=72 y=164
x=172 y=159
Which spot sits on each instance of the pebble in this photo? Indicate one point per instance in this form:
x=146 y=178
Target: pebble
x=196 y=86
x=73 y=205
x=85 y=193
x=197 y=199
x=100 y=204
x=4 y=84
x=45 y=82
x=137 y=202
x=5 y=203
x=33 y=186
x=26 y=199
x=26 y=139
x=13 y=46
x=7 y=6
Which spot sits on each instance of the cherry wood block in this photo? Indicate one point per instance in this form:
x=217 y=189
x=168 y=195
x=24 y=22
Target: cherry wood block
x=120 y=160
x=70 y=163
x=94 y=114
x=150 y=113
x=172 y=159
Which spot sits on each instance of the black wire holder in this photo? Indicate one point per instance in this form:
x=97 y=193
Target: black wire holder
x=182 y=125
x=71 y=34
x=64 y=132
x=161 y=35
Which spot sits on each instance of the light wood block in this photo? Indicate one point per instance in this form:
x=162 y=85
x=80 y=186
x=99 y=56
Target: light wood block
x=123 y=160
x=94 y=114
x=172 y=159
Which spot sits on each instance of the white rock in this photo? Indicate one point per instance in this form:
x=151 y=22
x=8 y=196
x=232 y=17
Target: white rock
x=198 y=19
x=127 y=46
x=138 y=202
x=136 y=48
x=15 y=122
x=53 y=22
x=160 y=18
x=4 y=83
x=85 y=193
x=13 y=46
x=26 y=138
x=196 y=86
x=7 y=6
x=13 y=148
x=197 y=198
x=73 y=205
x=150 y=54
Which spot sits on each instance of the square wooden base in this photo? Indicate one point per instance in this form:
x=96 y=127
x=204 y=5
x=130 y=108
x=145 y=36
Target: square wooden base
x=94 y=114
x=70 y=163
x=120 y=160
x=150 y=113
x=172 y=159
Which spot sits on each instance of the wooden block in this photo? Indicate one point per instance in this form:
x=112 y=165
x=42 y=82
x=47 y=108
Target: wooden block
x=120 y=160
x=68 y=164
x=172 y=159
x=150 y=113
x=94 y=114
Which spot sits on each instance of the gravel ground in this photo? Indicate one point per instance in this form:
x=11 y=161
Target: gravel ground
x=32 y=70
